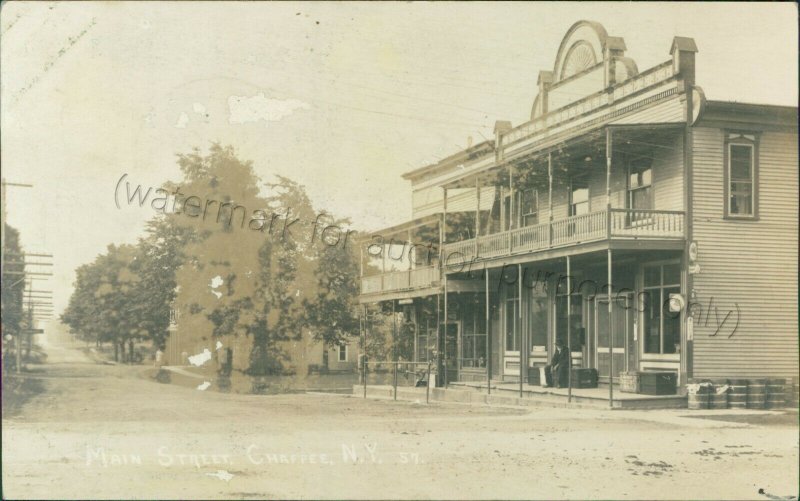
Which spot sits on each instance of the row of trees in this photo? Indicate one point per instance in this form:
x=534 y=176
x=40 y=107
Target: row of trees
x=13 y=283
x=233 y=272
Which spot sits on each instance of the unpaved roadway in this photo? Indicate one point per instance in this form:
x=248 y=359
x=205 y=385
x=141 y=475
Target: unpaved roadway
x=99 y=431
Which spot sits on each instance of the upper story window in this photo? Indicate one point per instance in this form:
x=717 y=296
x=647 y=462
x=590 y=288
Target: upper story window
x=640 y=185
x=741 y=176
x=579 y=197
x=529 y=209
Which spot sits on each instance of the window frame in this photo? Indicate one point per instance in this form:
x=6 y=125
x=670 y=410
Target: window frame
x=584 y=180
x=534 y=193
x=752 y=140
x=633 y=165
x=662 y=301
x=342 y=349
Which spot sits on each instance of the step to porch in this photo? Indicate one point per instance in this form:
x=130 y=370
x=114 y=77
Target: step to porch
x=506 y=394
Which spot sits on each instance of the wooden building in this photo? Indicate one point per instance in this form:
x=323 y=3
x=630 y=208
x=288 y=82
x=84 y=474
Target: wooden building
x=648 y=227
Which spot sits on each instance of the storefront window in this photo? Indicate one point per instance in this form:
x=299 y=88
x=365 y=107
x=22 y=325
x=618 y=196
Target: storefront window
x=661 y=327
x=576 y=321
x=473 y=352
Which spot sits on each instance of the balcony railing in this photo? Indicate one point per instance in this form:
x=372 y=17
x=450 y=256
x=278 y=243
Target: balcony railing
x=396 y=281
x=619 y=224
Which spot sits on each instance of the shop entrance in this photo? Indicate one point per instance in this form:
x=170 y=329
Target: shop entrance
x=620 y=339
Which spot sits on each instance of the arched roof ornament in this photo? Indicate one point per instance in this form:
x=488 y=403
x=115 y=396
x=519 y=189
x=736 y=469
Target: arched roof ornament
x=581 y=48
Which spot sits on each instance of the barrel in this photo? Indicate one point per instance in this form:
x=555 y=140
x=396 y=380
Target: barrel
x=719 y=397
x=737 y=396
x=776 y=393
x=756 y=393
x=698 y=397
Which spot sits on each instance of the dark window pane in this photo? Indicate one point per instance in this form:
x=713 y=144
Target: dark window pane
x=652 y=276
x=672 y=324
x=741 y=162
x=652 y=321
x=672 y=274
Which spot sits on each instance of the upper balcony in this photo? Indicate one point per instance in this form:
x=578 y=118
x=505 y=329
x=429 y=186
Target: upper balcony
x=401 y=261
x=598 y=226
x=622 y=186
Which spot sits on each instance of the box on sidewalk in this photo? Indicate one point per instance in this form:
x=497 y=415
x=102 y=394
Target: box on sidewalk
x=629 y=382
x=584 y=378
x=658 y=383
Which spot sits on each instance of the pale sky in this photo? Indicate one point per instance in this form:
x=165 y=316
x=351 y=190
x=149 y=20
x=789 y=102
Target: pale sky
x=343 y=98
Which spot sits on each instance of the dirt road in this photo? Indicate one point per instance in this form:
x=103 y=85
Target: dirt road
x=100 y=431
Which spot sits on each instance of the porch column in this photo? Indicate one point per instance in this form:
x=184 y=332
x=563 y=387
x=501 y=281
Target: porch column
x=609 y=140
x=477 y=214
x=394 y=330
x=444 y=217
x=511 y=212
x=519 y=328
x=569 y=330
x=444 y=344
x=610 y=339
x=488 y=334
x=550 y=198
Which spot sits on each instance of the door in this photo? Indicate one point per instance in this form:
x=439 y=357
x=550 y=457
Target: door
x=619 y=339
x=447 y=366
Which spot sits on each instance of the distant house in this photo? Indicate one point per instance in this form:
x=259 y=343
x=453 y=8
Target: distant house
x=687 y=206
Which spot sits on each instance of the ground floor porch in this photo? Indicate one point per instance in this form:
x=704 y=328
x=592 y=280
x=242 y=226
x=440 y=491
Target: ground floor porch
x=616 y=311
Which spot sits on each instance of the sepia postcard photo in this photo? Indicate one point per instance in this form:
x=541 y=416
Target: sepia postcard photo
x=399 y=250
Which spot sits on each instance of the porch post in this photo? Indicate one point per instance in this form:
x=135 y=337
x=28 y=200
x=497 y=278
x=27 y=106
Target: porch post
x=438 y=328
x=522 y=367
x=488 y=334
x=569 y=331
x=610 y=339
x=511 y=212
x=394 y=330
x=444 y=344
x=609 y=140
x=550 y=198
x=477 y=214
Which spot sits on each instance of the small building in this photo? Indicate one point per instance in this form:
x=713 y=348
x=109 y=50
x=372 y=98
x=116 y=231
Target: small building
x=647 y=226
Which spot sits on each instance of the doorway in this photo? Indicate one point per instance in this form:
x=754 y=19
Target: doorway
x=620 y=339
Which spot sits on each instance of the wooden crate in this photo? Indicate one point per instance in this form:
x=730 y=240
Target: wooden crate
x=629 y=382
x=584 y=378
x=658 y=383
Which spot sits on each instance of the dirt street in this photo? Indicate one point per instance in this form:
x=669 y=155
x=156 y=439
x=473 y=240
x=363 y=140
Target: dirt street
x=98 y=431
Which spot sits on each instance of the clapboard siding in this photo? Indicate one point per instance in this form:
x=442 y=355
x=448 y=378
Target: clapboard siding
x=752 y=264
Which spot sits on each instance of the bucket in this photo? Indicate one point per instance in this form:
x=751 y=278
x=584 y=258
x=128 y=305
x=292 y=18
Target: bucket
x=776 y=393
x=737 y=396
x=756 y=393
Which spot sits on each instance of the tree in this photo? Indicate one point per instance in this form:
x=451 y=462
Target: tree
x=13 y=283
x=331 y=310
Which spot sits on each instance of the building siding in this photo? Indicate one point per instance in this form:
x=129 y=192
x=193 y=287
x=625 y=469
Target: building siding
x=751 y=265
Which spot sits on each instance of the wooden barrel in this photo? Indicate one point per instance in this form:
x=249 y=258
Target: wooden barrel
x=756 y=393
x=698 y=397
x=698 y=400
x=719 y=397
x=737 y=397
x=776 y=393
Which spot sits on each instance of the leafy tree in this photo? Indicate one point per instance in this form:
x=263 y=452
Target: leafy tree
x=331 y=310
x=13 y=284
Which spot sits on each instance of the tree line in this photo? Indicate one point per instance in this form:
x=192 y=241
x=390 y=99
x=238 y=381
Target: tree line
x=223 y=281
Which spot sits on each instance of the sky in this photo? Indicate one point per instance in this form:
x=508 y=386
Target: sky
x=341 y=97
